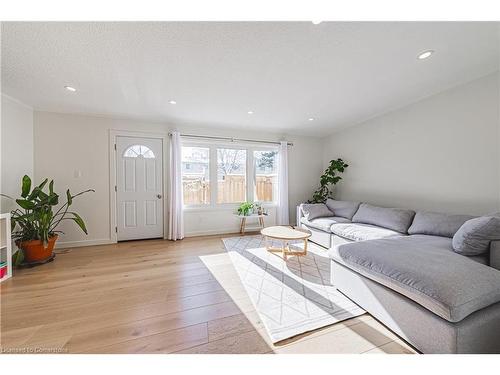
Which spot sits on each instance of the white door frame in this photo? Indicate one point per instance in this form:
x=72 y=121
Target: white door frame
x=113 y=134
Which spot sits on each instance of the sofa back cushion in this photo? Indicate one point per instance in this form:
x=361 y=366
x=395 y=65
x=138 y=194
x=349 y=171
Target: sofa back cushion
x=344 y=209
x=437 y=224
x=475 y=235
x=314 y=210
x=361 y=232
x=397 y=219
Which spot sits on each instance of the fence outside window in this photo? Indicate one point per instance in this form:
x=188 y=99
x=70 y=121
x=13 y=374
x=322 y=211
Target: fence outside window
x=231 y=189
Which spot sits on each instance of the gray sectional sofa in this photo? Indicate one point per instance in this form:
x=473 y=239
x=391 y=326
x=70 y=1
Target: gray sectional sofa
x=408 y=270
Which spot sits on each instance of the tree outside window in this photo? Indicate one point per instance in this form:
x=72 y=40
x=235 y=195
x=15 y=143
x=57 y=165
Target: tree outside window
x=231 y=175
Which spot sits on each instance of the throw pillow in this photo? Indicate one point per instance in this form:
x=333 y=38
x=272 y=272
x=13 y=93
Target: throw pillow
x=314 y=210
x=475 y=235
x=345 y=209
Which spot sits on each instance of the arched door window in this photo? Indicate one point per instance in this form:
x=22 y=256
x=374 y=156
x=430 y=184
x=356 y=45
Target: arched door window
x=139 y=150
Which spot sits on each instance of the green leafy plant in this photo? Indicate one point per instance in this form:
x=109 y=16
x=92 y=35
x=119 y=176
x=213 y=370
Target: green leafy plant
x=327 y=179
x=245 y=208
x=35 y=219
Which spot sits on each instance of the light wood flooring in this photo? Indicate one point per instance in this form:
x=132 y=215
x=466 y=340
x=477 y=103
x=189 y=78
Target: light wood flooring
x=156 y=296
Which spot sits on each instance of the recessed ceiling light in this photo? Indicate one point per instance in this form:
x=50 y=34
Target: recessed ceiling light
x=69 y=88
x=316 y=22
x=172 y=102
x=425 y=54
x=250 y=112
x=310 y=119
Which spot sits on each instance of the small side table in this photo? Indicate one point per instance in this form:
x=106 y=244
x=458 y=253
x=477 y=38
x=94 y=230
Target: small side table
x=243 y=221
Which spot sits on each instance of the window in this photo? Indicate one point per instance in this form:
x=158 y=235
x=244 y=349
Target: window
x=196 y=175
x=231 y=175
x=216 y=175
x=266 y=176
x=139 y=150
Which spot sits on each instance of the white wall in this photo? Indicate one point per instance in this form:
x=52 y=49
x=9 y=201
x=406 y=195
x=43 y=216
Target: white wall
x=66 y=143
x=16 y=148
x=440 y=154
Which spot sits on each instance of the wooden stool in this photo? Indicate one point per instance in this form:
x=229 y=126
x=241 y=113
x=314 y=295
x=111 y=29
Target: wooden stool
x=244 y=218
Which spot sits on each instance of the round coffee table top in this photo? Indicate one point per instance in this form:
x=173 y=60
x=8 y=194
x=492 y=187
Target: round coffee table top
x=286 y=233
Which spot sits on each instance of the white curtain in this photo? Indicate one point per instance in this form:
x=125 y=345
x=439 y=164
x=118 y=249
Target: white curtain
x=282 y=212
x=175 y=215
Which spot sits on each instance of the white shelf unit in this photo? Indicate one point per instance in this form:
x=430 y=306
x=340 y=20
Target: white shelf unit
x=5 y=245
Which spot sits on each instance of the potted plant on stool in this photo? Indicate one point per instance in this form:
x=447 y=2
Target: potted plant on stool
x=34 y=224
x=245 y=208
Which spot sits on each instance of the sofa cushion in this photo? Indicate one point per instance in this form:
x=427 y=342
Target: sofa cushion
x=345 y=209
x=422 y=269
x=446 y=243
x=475 y=235
x=323 y=223
x=391 y=218
x=494 y=258
x=314 y=210
x=362 y=232
x=483 y=259
x=437 y=224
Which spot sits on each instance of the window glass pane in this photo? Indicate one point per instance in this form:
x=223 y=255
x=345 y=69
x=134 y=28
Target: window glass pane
x=266 y=176
x=196 y=175
x=138 y=150
x=231 y=175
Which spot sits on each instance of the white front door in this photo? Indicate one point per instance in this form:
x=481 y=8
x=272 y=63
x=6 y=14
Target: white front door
x=139 y=188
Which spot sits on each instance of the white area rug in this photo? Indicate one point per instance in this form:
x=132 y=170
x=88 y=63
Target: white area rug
x=292 y=297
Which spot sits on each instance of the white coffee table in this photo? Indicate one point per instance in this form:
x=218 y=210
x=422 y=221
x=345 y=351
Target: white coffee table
x=286 y=234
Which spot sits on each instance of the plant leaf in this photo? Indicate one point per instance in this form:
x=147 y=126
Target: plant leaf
x=53 y=199
x=80 y=222
x=69 y=197
x=27 y=205
x=43 y=184
x=34 y=193
x=26 y=186
x=51 y=187
x=42 y=195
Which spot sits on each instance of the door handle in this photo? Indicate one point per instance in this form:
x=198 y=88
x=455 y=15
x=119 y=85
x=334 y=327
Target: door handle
x=158 y=196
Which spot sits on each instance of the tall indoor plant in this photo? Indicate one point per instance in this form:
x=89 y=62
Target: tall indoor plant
x=34 y=224
x=330 y=177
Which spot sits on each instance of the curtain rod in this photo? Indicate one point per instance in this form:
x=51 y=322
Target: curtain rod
x=230 y=139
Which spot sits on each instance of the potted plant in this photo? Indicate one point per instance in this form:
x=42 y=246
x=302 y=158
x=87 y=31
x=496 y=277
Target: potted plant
x=245 y=208
x=34 y=224
x=330 y=177
x=257 y=208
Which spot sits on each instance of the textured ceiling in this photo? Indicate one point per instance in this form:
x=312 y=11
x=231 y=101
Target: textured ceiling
x=340 y=73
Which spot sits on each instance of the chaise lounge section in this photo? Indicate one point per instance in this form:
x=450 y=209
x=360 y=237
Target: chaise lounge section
x=402 y=268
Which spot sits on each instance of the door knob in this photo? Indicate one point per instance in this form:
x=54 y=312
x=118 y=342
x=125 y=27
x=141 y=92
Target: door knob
x=158 y=196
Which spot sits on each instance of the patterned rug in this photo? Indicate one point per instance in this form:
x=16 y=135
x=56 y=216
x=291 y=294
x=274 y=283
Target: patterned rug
x=293 y=297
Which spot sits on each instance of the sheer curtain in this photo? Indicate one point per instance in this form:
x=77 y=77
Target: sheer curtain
x=282 y=211
x=175 y=214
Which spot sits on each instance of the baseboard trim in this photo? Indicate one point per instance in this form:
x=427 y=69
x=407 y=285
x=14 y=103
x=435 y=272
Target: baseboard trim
x=108 y=241
x=68 y=244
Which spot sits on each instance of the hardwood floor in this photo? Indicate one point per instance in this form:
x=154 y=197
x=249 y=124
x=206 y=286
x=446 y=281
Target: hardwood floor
x=156 y=297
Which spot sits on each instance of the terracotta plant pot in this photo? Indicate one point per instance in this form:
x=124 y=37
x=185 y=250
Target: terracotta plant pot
x=35 y=251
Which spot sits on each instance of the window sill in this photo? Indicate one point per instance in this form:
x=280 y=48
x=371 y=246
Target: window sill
x=222 y=208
